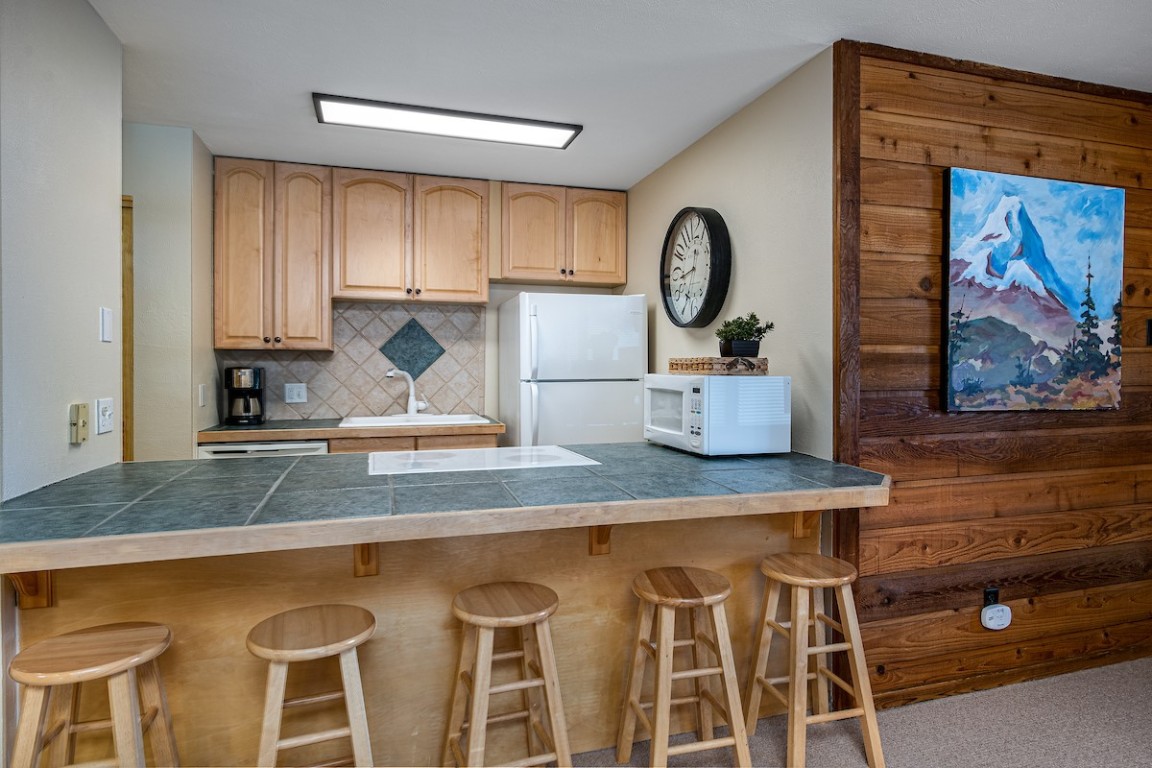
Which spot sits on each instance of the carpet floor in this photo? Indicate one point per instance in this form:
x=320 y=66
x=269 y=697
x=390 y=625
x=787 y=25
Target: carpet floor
x=1096 y=718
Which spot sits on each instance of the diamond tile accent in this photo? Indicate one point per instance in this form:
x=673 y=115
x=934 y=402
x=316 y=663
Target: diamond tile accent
x=349 y=381
x=412 y=348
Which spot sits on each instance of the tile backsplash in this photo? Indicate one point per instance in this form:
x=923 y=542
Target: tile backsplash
x=444 y=341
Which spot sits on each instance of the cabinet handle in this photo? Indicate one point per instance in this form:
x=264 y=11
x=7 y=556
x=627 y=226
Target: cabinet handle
x=277 y=339
x=417 y=291
x=408 y=291
x=267 y=340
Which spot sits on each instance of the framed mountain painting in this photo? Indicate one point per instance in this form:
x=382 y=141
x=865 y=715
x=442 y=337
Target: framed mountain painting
x=1035 y=275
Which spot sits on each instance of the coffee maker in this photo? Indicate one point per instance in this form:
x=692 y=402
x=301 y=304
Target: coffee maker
x=244 y=395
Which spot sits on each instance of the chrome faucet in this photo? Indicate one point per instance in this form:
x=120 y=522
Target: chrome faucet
x=414 y=405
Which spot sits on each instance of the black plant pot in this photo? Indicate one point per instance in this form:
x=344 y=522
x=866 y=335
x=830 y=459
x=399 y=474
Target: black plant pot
x=739 y=348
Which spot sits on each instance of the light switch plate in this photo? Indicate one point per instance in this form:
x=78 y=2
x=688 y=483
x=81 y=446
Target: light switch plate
x=295 y=393
x=105 y=325
x=105 y=415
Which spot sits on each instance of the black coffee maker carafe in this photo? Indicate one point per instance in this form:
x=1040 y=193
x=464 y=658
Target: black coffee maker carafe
x=244 y=395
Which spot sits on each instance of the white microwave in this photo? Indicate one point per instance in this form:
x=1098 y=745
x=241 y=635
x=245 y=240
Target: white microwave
x=719 y=415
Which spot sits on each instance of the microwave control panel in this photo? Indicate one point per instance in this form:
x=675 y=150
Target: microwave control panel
x=695 y=421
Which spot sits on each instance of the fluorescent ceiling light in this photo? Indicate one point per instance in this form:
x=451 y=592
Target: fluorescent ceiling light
x=363 y=113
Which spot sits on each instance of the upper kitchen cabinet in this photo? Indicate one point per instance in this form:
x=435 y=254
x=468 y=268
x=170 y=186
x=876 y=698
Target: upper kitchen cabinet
x=273 y=261
x=450 y=240
x=372 y=234
x=562 y=235
x=409 y=238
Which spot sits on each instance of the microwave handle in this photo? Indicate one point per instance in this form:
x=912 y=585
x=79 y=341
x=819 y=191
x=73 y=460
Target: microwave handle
x=534 y=413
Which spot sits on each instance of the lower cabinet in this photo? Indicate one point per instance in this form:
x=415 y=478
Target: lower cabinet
x=423 y=443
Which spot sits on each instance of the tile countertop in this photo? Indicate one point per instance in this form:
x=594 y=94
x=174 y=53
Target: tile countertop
x=151 y=511
x=330 y=429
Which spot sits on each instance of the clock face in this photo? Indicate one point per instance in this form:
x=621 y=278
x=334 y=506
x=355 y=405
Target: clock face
x=695 y=267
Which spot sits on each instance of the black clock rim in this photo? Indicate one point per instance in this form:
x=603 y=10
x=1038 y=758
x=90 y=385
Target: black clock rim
x=720 y=264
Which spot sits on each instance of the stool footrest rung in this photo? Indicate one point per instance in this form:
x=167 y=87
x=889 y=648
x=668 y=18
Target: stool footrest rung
x=315 y=698
x=108 y=763
x=305 y=739
x=335 y=762
x=542 y=759
x=828 y=648
x=507 y=655
x=828 y=717
x=840 y=682
x=716 y=705
x=700 y=746
x=516 y=685
x=689 y=674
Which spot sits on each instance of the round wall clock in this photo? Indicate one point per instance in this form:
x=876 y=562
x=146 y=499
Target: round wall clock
x=695 y=266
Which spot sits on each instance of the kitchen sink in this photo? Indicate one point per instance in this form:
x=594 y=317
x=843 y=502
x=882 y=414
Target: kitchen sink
x=419 y=419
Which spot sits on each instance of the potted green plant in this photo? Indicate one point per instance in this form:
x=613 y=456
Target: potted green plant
x=740 y=336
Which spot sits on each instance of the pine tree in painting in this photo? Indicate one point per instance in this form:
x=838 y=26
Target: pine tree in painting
x=1083 y=353
x=1114 y=339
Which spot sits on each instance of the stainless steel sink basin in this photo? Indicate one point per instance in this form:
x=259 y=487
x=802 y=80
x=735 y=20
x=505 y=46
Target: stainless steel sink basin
x=419 y=419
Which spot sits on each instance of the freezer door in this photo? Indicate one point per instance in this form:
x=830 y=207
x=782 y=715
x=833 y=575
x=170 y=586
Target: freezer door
x=583 y=336
x=569 y=413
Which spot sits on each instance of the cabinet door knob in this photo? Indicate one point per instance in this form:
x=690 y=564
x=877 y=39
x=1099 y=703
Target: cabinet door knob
x=408 y=291
x=277 y=339
x=267 y=339
x=417 y=291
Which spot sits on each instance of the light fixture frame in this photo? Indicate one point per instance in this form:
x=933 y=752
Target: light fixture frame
x=318 y=98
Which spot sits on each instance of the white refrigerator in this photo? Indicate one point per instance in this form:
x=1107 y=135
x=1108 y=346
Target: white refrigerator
x=572 y=368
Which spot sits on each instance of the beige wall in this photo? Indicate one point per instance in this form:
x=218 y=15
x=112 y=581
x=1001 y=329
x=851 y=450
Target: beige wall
x=768 y=171
x=60 y=152
x=167 y=171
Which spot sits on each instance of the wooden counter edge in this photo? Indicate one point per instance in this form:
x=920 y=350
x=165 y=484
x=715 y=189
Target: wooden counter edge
x=336 y=433
x=213 y=542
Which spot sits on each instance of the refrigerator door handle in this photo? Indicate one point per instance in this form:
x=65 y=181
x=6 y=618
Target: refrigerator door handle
x=533 y=344
x=534 y=413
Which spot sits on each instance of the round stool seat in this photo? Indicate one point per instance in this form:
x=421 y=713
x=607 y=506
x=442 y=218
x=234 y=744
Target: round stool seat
x=505 y=604
x=681 y=587
x=89 y=654
x=312 y=632
x=800 y=569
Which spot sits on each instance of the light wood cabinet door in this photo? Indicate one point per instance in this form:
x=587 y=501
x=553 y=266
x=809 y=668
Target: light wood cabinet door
x=302 y=309
x=273 y=286
x=450 y=240
x=243 y=253
x=597 y=238
x=533 y=233
x=372 y=234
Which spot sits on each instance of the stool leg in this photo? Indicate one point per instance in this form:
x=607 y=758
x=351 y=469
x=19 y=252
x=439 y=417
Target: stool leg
x=478 y=709
x=124 y=703
x=662 y=704
x=160 y=735
x=798 y=673
x=26 y=751
x=731 y=687
x=460 y=693
x=273 y=711
x=62 y=709
x=819 y=692
x=860 y=681
x=768 y=612
x=635 y=682
x=547 y=660
x=530 y=698
x=354 y=701
x=705 y=728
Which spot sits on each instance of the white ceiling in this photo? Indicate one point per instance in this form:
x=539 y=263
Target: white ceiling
x=645 y=78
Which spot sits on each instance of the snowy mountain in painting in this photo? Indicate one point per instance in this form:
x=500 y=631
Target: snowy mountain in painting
x=1003 y=271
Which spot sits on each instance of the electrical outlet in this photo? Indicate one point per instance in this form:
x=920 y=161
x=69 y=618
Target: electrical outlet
x=77 y=423
x=295 y=393
x=105 y=415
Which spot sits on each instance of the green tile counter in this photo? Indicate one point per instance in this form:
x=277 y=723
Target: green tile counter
x=211 y=548
x=143 y=512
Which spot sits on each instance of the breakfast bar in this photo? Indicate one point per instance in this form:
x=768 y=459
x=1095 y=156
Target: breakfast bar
x=211 y=548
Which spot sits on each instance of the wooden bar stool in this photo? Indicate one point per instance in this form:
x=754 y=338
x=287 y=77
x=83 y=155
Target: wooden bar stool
x=807 y=575
x=306 y=634
x=662 y=591
x=51 y=671
x=483 y=609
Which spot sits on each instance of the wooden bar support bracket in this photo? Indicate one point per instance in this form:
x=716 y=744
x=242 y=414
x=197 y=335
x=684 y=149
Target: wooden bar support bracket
x=366 y=559
x=600 y=540
x=34 y=589
x=804 y=524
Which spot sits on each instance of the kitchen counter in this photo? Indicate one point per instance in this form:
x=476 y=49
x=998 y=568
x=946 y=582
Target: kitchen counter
x=330 y=429
x=156 y=511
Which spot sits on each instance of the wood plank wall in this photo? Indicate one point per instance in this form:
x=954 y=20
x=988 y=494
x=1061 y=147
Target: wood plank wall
x=1053 y=508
